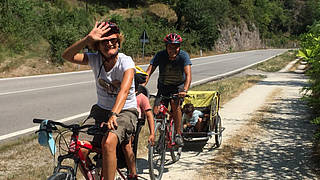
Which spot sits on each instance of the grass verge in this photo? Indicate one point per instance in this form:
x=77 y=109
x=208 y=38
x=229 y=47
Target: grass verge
x=277 y=63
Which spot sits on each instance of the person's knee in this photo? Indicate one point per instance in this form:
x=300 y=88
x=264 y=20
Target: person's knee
x=127 y=148
x=109 y=144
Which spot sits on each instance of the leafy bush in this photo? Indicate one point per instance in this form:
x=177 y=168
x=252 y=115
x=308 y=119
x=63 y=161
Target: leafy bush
x=19 y=23
x=310 y=51
x=24 y=22
x=64 y=28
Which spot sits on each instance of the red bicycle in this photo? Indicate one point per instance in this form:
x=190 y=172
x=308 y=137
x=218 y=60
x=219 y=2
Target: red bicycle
x=92 y=169
x=164 y=140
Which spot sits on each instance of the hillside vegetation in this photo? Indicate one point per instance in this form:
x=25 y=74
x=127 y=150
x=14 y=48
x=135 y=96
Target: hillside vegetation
x=42 y=28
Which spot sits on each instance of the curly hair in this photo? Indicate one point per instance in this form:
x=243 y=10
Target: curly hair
x=187 y=108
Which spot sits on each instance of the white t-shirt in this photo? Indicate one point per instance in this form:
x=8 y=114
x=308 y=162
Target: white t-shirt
x=113 y=78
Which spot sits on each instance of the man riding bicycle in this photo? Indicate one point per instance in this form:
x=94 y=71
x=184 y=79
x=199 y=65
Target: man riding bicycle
x=174 y=77
x=117 y=105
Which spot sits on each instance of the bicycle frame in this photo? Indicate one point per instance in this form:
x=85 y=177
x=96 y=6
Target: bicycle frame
x=75 y=153
x=167 y=123
x=90 y=170
x=165 y=140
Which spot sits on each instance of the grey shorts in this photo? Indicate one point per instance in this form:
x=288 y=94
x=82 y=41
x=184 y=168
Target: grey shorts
x=127 y=122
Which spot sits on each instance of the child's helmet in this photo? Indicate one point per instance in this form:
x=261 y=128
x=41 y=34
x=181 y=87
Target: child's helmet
x=140 y=76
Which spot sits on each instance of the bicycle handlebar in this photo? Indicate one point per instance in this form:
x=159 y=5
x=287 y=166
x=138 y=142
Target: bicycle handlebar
x=92 y=129
x=51 y=122
x=171 y=96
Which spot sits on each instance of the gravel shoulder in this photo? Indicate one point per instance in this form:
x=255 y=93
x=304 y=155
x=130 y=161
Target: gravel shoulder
x=283 y=147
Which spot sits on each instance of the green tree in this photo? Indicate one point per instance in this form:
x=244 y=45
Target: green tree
x=202 y=18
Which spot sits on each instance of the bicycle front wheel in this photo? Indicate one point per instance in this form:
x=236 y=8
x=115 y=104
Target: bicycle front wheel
x=157 y=152
x=61 y=176
x=175 y=151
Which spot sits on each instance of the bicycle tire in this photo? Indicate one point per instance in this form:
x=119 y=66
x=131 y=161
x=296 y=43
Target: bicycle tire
x=218 y=129
x=61 y=176
x=175 y=151
x=156 y=154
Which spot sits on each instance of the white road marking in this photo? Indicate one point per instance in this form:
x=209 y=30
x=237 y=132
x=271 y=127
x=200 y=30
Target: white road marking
x=45 y=75
x=32 y=129
x=228 y=73
x=50 y=87
x=212 y=62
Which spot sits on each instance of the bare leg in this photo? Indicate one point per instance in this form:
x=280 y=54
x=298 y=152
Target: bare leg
x=177 y=115
x=109 y=158
x=130 y=159
x=199 y=125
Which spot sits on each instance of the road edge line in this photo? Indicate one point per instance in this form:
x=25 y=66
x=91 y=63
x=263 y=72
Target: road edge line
x=24 y=131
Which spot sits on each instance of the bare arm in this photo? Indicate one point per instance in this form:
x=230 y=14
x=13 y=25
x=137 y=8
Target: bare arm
x=121 y=97
x=72 y=53
x=150 y=121
x=151 y=125
x=187 y=82
x=124 y=90
x=149 y=71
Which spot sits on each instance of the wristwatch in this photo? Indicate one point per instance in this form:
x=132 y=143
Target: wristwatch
x=114 y=114
x=184 y=90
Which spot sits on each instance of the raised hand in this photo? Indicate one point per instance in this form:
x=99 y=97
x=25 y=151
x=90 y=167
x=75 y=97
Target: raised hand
x=99 y=29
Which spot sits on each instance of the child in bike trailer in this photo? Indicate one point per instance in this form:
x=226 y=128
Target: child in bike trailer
x=117 y=104
x=193 y=120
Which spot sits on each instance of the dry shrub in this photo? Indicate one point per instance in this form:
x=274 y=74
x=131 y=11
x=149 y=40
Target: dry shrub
x=163 y=11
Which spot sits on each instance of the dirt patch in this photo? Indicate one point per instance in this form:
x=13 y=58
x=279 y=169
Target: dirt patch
x=36 y=66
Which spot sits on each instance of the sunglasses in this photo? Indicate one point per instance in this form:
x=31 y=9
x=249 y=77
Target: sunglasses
x=113 y=41
x=173 y=46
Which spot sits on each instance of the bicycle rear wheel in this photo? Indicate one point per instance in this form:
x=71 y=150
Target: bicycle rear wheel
x=156 y=155
x=217 y=130
x=61 y=176
x=175 y=151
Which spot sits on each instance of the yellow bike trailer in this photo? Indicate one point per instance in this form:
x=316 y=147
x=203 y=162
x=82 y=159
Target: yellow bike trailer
x=208 y=102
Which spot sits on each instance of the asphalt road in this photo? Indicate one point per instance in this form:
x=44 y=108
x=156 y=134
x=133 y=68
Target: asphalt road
x=69 y=96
